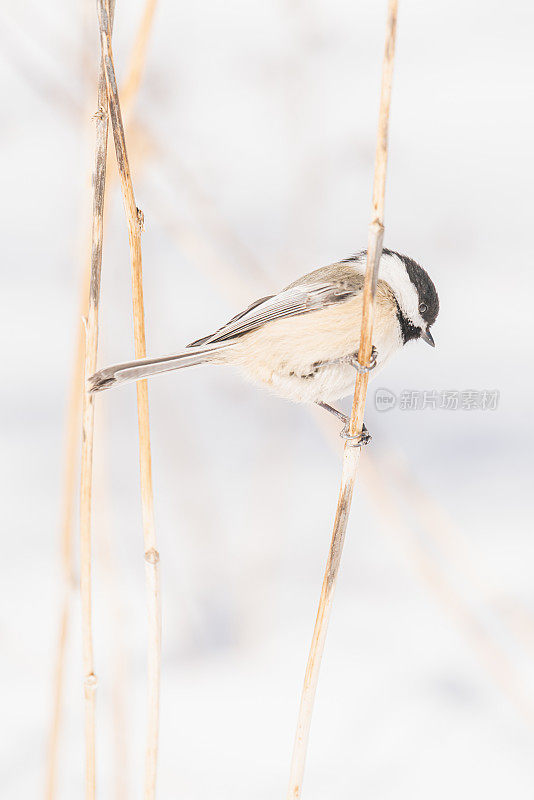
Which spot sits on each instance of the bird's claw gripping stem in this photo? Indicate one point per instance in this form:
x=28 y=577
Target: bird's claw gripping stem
x=359 y=439
x=363 y=370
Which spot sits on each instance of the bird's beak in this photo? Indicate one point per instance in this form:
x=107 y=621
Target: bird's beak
x=427 y=337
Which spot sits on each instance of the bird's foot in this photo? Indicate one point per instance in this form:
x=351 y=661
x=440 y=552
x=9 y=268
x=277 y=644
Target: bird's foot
x=359 y=439
x=363 y=370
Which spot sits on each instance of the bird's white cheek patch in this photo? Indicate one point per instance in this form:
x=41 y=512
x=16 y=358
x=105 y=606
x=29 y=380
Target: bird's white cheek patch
x=393 y=271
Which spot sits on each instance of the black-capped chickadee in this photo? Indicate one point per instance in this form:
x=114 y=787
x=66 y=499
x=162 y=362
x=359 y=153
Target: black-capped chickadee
x=302 y=343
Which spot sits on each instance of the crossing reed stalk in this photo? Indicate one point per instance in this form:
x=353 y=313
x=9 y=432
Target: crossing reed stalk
x=91 y=346
x=71 y=442
x=134 y=221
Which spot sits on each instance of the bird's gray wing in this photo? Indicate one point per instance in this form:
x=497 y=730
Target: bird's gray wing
x=319 y=289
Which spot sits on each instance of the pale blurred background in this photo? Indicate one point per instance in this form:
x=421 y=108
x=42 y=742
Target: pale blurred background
x=251 y=146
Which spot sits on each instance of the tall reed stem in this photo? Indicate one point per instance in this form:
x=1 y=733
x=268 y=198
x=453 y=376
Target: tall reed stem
x=137 y=60
x=91 y=346
x=71 y=439
x=351 y=454
x=134 y=220
x=70 y=484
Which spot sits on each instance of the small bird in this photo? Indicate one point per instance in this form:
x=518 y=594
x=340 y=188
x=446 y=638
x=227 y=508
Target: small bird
x=302 y=343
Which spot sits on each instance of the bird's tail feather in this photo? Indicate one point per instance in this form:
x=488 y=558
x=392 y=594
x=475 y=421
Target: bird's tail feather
x=145 y=367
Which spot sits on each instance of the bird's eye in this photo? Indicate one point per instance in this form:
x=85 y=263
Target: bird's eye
x=422 y=308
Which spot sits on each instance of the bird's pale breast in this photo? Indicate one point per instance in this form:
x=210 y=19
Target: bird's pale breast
x=293 y=357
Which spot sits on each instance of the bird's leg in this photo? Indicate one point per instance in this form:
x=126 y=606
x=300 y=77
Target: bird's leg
x=364 y=437
x=356 y=441
x=339 y=414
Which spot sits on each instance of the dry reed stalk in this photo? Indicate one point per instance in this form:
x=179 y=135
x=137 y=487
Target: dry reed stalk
x=208 y=214
x=57 y=695
x=66 y=568
x=134 y=222
x=491 y=653
x=378 y=477
x=351 y=454
x=46 y=85
x=217 y=268
x=106 y=558
x=137 y=60
x=91 y=346
x=448 y=539
x=71 y=446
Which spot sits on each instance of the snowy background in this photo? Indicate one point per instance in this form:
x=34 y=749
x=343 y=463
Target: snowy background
x=251 y=149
